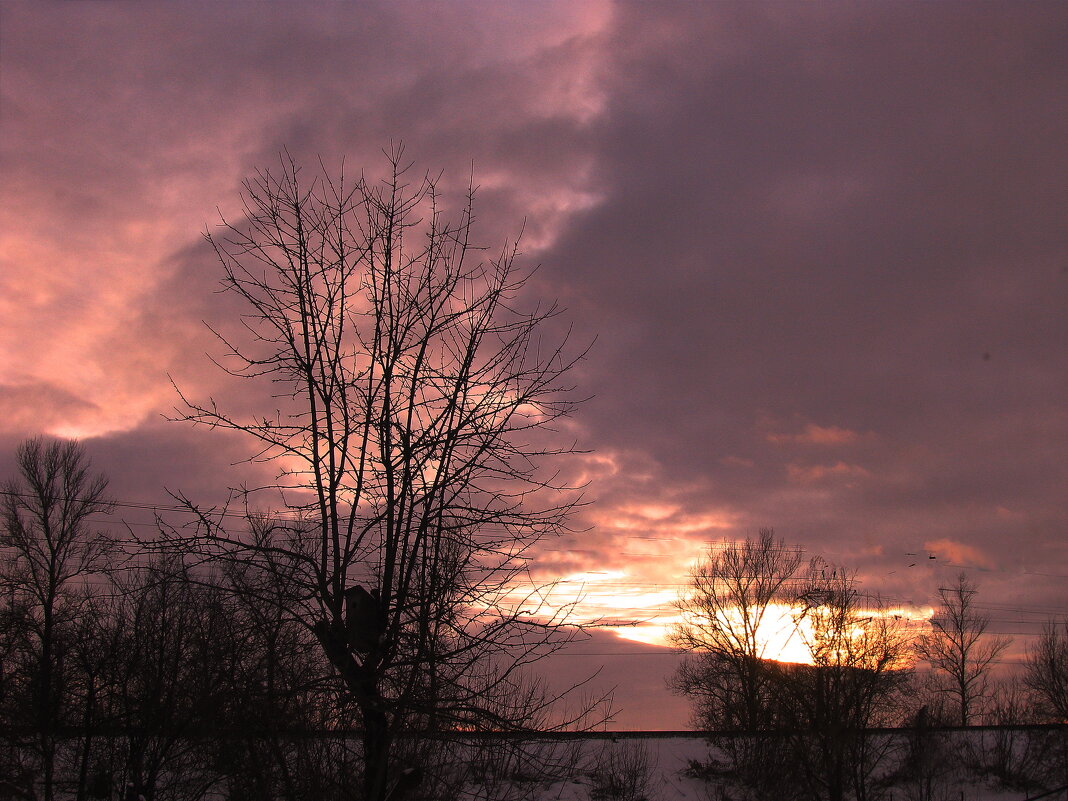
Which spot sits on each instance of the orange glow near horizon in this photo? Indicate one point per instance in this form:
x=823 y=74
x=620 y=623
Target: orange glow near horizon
x=616 y=602
x=778 y=635
x=782 y=636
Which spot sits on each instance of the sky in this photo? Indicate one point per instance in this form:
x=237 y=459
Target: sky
x=820 y=251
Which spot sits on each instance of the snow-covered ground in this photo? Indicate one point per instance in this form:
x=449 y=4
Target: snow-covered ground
x=991 y=764
x=666 y=757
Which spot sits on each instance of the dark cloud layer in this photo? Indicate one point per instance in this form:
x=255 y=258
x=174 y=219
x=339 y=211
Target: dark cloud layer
x=821 y=247
x=820 y=216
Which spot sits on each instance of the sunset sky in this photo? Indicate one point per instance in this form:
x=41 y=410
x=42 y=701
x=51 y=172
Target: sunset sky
x=822 y=250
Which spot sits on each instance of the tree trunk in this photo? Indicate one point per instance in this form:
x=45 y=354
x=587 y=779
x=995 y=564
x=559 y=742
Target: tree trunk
x=375 y=755
x=46 y=707
x=87 y=740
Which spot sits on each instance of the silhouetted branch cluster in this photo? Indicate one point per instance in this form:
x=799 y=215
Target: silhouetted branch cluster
x=416 y=405
x=154 y=679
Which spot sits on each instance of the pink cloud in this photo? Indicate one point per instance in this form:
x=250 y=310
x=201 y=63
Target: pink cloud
x=811 y=474
x=813 y=434
x=959 y=553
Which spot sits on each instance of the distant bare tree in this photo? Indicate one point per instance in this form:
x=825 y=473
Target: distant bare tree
x=818 y=712
x=727 y=619
x=49 y=550
x=278 y=685
x=1046 y=676
x=725 y=622
x=960 y=649
x=1046 y=672
x=91 y=663
x=861 y=666
x=414 y=402
x=167 y=683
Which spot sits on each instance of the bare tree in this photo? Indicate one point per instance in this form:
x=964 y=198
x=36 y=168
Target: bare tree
x=861 y=655
x=960 y=649
x=50 y=550
x=278 y=685
x=806 y=722
x=171 y=681
x=731 y=614
x=92 y=662
x=1046 y=678
x=414 y=403
x=1046 y=672
x=726 y=617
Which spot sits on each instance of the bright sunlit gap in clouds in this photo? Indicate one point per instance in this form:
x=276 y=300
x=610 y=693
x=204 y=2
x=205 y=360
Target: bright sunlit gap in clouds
x=616 y=601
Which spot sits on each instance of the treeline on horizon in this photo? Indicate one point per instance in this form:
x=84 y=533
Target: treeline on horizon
x=817 y=725
x=152 y=674
x=129 y=669
x=137 y=669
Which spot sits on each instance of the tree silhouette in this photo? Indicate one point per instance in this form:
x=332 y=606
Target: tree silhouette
x=806 y=722
x=861 y=666
x=1046 y=671
x=959 y=648
x=413 y=404
x=726 y=617
x=49 y=549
